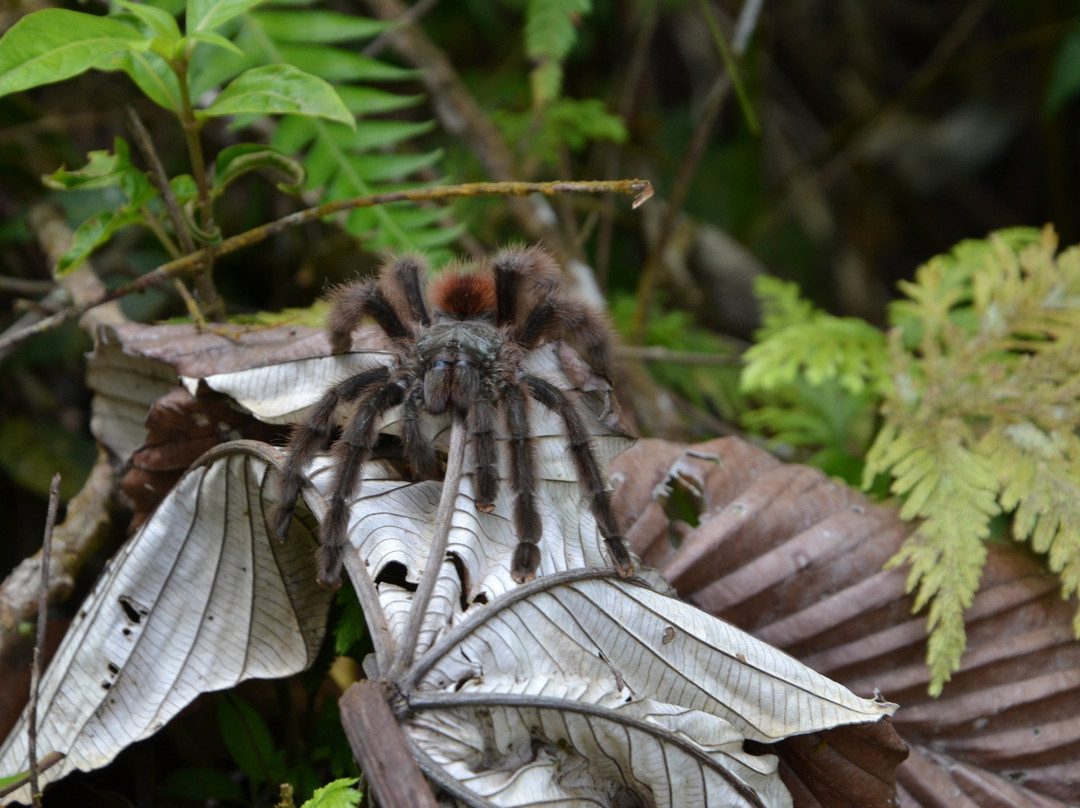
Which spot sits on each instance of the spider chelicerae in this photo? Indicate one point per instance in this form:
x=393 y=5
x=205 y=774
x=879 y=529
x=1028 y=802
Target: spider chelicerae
x=462 y=353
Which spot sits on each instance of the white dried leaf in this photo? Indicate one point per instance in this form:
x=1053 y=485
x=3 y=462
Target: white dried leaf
x=577 y=688
x=200 y=599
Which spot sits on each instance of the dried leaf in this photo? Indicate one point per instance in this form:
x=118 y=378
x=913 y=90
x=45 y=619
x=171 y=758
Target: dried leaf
x=199 y=600
x=799 y=565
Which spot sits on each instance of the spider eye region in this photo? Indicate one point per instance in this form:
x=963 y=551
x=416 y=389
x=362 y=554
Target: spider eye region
x=453 y=357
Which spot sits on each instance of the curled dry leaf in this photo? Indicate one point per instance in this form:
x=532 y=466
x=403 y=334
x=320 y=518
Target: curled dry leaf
x=578 y=686
x=199 y=599
x=796 y=559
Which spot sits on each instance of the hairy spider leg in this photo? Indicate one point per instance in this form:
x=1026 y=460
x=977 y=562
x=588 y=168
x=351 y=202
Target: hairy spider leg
x=312 y=437
x=557 y=315
x=481 y=425
x=351 y=304
x=408 y=274
x=532 y=266
x=507 y=269
x=353 y=450
x=418 y=451
x=523 y=481
x=589 y=476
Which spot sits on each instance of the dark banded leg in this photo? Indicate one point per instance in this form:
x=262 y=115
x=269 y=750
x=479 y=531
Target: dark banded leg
x=312 y=437
x=526 y=558
x=352 y=451
x=590 y=478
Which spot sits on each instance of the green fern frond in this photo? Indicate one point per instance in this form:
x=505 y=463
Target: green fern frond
x=801 y=342
x=982 y=417
x=1040 y=473
x=573 y=123
x=550 y=33
x=342 y=162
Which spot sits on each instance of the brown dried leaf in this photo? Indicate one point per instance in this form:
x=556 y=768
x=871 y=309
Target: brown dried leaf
x=797 y=560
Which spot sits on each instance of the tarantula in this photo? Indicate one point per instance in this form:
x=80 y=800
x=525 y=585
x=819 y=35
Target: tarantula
x=463 y=354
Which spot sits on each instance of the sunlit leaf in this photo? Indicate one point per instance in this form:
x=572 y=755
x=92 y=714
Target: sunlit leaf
x=54 y=44
x=206 y=15
x=278 y=90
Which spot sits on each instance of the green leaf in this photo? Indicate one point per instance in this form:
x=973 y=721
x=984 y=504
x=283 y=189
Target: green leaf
x=372 y=101
x=247 y=738
x=370 y=135
x=94 y=232
x=242 y=158
x=183 y=187
x=337 y=794
x=157 y=20
x=799 y=342
x=382 y=167
x=1064 y=84
x=216 y=39
x=317 y=25
x=551 y=27
x=206 y=15
x=550 y=33
x=277 y=90
x=55 y=44
x=105 y=170
x=150 y=73
x=337 y=64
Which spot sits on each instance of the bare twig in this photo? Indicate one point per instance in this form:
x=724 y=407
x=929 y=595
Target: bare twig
x=380 y=747
x=74 y=541
x=39 y=646
x=641 y=189
x=172 y=209
x=444 y=518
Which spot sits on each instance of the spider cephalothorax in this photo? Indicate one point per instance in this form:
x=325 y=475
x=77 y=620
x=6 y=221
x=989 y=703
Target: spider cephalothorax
x=462 y=355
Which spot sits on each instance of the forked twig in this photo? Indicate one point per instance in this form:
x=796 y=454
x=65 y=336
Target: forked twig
x=39 y=645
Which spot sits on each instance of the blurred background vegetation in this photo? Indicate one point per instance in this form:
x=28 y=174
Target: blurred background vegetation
x=869 y=137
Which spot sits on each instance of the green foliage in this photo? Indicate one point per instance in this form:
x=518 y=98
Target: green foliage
x=979 y=405
x=711 y=387
x=982 y=417
x=798 y=341
x=280 y=62
x=816 y=380
x=1064 y=83
x=566 y=122
x=550 y=33
x=338 y=794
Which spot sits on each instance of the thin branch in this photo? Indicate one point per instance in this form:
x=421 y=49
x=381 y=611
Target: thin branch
x=641 y=190
x=685 y=176
x=39 y=646
x=75 y=540
x=444 y=519
x=658 y=353
x=380 y=747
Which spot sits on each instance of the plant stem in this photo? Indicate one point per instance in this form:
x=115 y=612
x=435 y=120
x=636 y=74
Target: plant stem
x=641 y=190
x=204 y=284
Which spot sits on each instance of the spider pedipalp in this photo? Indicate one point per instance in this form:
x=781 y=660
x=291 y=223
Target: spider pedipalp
x=456 y=346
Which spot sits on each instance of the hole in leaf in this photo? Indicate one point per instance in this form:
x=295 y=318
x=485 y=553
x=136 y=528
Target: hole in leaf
x=133 y=611
x=395 y=573
x=463 y=576
x=481 y=598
